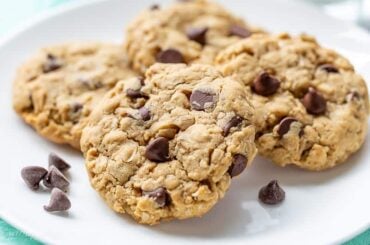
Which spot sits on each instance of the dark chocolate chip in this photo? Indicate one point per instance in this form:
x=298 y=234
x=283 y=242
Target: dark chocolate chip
x=58 y=201
x=55 y=178
x=329 y=68
x=234 y=122
x=237 y=30
x=59 y=163
x=272 y=193
x=158 y=150
x=32 y=175
x=354 y=95
x=52 y=63
x=197 y=34
x=159 y=195
x=265 y=84
x=77 y=107
x=154 y=7
x=170 y=56
x=284 y=125
x=238 y=165
x=315 y=104
x=135 y=93
x=201 y=100
x=144 y=113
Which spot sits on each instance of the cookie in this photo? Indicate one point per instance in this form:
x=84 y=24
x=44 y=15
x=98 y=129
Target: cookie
x=55 y=90
x=167 y=147
x=311 y=105
x=184 y=32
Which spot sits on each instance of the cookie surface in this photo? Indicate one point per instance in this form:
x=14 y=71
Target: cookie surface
x=55 y=90
x=311 y=106
x=185 y=32
x=168 y=146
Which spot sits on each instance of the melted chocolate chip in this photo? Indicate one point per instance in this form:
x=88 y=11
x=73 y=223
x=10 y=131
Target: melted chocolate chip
x=329 y=68
x=55 y=178
x=234 y=122
x=201 y=100
x=265 y=84
x=135 y=93
x=237 y=30
x=313 y=102
x=159 y=195
x=238 y=165
x=144 y=113
x=197 y=34
x=170 y=56
x=158 y=150
x=58 y=201
x=284 y=125
x=32 y=176
x=52 y=63
x=59 y=163
x=272 y=193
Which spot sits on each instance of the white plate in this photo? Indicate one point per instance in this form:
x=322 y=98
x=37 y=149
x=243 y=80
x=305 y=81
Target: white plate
x=320 y=208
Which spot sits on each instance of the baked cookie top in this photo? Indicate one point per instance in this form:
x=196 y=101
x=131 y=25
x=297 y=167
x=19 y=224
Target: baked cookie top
x=184 y=32
x=311 y=105
x=56 y=89
x=167 y=146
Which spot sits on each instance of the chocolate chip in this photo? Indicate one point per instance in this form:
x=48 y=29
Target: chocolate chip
x=32 y=175
x=59 y=163
x=154 y=7
x=201 y=100
x=329 y=68
x=237 y=30
x=284 y=125
x=135 y=93
x=272 y=193
x=144 y=113
x=265 y=84
x=58 y=201
x=170 y=56
x=354 y=95
x=158 y=150
x=234 y=122
x=197 y=34
x=77 y=107
x=159 y=195
x=315 y=104
x=52 y=64
x=55 y=178
x=238 y=165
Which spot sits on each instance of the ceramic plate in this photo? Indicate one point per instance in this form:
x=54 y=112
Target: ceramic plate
x=320 y=208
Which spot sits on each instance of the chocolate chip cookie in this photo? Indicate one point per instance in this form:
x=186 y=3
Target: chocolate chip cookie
x=185 y=32
x=56 y=89
x=168 y=145
x=311 y=105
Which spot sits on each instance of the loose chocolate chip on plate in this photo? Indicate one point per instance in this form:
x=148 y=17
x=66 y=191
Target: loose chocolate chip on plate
x=272 y=193
x=201 y=100
x=58 y=201
x=59 y=163
x=158 y=150
x=237 y=30
x=32 y=175
x=265 y=84
x=55 y=178
x=238 y=165
x=329 y=68
x=234 y=122
x=52 y=63
x=284 y=125
x=170 y=56
x=144 y=113
x=197 y=34
x=313 y=102
x=159 y=195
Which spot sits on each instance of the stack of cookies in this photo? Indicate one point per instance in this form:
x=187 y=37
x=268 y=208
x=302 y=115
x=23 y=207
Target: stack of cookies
x=168 y=119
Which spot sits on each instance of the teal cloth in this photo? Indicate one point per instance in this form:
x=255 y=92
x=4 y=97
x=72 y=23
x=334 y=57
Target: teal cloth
x=12 y=14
